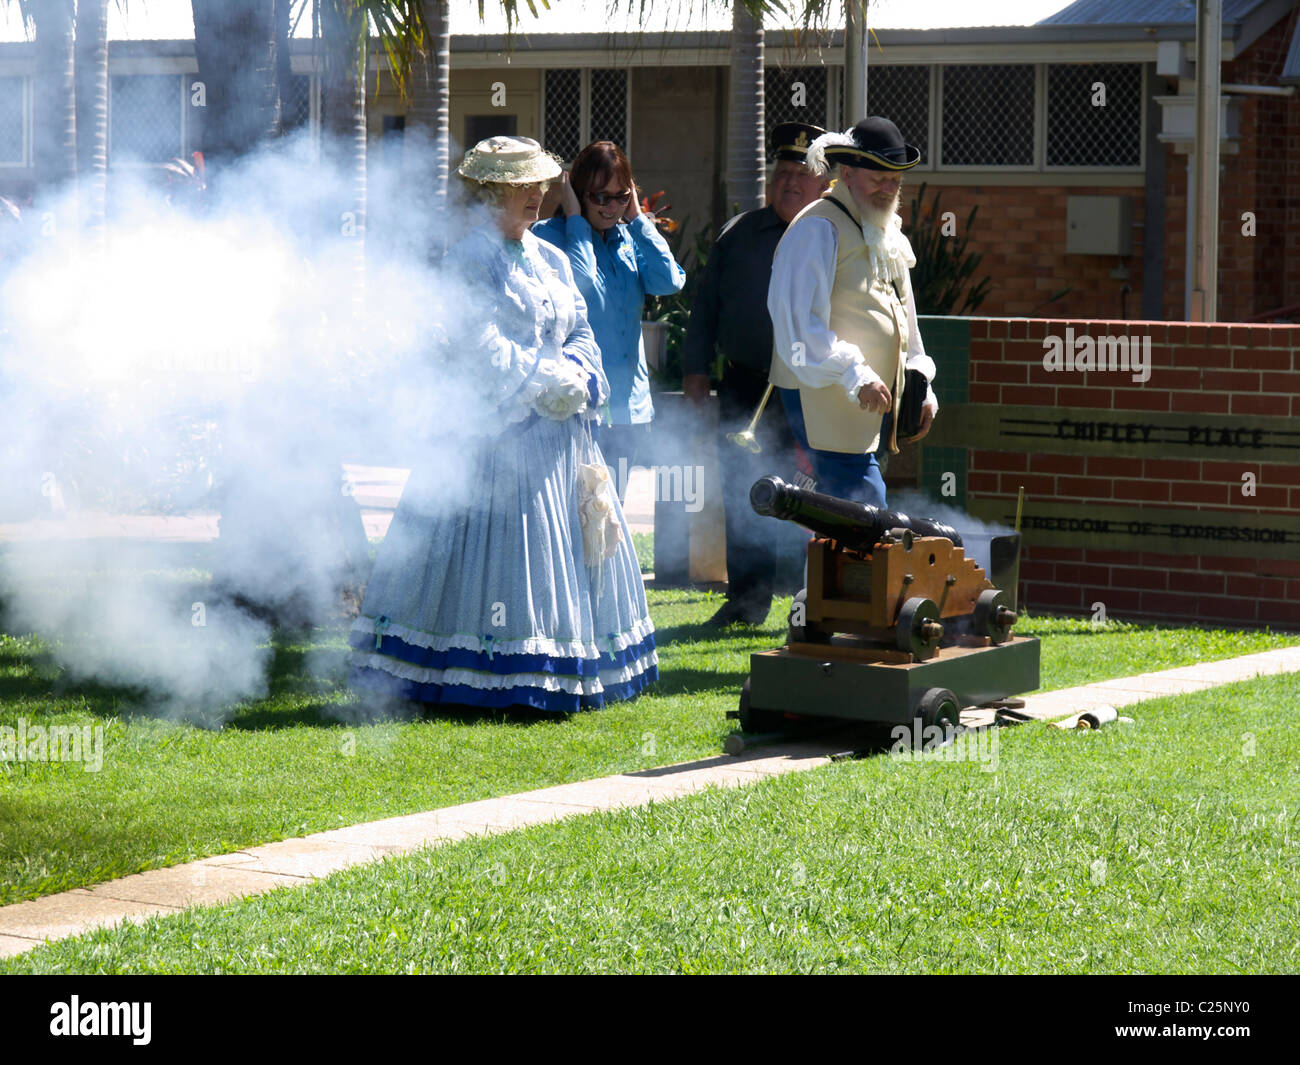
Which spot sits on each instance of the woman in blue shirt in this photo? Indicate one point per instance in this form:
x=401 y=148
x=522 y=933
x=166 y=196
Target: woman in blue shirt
x=618 y=258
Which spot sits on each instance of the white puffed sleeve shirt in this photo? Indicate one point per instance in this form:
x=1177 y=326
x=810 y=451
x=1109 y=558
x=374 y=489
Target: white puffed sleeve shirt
x=799 y=301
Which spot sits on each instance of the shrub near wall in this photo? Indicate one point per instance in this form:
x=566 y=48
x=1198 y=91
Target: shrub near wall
x=1174 y=497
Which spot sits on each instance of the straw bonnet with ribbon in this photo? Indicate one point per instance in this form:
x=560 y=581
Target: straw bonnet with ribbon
x=509 y=161
x=873 y=144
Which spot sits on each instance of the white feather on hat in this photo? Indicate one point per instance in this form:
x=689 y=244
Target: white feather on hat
x=816 y=160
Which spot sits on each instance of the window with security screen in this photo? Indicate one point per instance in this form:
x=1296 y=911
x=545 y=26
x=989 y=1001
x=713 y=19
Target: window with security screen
x=794 y=94
x=12 y=140
x=563 y=96
x=145 y=118
x=295 y=102
x=581 y=106
x=902 y=95
x=609 y=107
x=988 y=115
x=1094 y=115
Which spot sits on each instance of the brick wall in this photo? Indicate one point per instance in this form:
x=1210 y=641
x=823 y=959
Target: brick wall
x=1254 y=271
x=1259 y=273
x=1021 y=234
x=1244 y=371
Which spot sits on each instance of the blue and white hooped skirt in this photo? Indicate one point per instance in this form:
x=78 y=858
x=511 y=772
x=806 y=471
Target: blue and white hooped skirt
x=481 y=596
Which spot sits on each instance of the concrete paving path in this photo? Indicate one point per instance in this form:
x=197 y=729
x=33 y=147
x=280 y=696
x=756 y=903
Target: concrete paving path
x=289 y=862
x=376 y=489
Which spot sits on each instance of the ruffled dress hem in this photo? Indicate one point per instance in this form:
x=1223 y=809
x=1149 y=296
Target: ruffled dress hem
x=469 y=679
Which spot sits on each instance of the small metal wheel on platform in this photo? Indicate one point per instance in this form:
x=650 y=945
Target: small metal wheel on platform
x=752 y=720
x=937 y=708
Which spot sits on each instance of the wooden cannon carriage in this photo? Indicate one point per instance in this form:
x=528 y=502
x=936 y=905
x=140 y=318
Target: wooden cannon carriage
x=896 y=625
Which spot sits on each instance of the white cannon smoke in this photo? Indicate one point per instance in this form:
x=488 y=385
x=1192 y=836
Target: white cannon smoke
x=975 y=533
x=919 y=504
x=215 y=361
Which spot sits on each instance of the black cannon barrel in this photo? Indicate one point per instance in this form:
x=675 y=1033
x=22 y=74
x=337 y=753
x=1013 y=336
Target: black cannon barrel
x=857 y=526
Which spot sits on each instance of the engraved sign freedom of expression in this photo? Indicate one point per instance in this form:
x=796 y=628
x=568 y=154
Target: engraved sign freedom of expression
x=1206 y=530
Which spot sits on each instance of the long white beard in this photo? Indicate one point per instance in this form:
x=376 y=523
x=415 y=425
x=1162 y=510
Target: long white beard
x=889 y=251
x=880 y=217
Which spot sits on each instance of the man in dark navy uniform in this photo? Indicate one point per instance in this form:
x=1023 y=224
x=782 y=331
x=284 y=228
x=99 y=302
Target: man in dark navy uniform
x=730 y=316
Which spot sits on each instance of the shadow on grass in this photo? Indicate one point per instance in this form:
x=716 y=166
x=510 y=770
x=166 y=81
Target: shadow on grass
x=307 y=686
x=367 y=710
x=763 y=636
x=698 y=681
x=266 y=716
x=37 y=681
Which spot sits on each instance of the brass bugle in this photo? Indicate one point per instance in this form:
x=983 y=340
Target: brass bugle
x=747 y=439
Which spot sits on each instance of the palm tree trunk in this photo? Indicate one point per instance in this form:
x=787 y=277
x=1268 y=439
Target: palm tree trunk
x=235 y=43
x=430 y=109
x=282 y=42
x=92 y=116
x=357 y=140
x=345 y=42
x=56 y=100
x=427 y=143
x=746 y=159
x=438 y=19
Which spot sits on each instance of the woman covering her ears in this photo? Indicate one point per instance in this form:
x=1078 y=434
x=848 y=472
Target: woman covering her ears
x=618 y=258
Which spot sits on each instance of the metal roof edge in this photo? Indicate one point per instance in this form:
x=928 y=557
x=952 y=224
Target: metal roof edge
x=714 y=39
x=791 y=40
x=1259 y=21
x=1291 y=67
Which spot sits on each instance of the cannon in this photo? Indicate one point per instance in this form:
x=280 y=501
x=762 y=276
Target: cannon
x=896 y=625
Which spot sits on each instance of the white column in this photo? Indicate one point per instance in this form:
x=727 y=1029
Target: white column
x=1204 y=185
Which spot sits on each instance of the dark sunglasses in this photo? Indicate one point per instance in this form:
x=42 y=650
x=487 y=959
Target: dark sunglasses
x=602 y=198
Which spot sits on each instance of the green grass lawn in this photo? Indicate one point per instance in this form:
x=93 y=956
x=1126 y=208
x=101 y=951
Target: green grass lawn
x=1165 y=846
x=644 y=544
x=293 y=763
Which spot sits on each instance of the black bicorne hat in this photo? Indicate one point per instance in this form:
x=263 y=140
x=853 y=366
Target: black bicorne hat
x=875 y=143
x=790 y=140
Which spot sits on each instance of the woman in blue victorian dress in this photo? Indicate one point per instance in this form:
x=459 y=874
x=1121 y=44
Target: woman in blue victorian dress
x=520 y=587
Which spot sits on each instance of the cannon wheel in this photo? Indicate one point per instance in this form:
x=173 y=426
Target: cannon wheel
x=804 y=633
x=939 y=707
x=752 y=720
x=986 y=609
x=915 y=613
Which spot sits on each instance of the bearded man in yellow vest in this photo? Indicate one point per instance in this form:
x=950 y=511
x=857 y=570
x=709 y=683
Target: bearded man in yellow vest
x=843 y=317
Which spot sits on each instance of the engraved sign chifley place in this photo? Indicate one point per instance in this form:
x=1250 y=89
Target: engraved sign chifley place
x=1140 y=434
x=1223 y=530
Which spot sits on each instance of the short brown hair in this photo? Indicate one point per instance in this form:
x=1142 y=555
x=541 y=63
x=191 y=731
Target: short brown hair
x=596 y=164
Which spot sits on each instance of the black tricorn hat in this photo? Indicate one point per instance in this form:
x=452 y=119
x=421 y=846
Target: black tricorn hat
x=790 y=140
x=873 y=144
